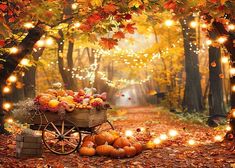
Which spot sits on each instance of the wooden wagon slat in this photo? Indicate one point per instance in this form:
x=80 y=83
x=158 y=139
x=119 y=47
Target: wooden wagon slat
x=82 y=118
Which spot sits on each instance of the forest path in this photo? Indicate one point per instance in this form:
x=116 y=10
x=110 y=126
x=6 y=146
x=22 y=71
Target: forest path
x=156 y=121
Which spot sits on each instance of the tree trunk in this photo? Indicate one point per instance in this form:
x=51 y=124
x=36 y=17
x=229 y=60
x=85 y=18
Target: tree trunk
x=216 y=101
x=30 y=77
x=192 y=100
x=12 y=61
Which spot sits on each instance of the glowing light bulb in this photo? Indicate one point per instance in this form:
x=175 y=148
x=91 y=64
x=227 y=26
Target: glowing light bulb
x=74 y=6
x=6 y=89
x=232 y=71
x=233 y=113
x=208 y=42
x=218 y=138
x=173 y=133
x=204 y=25
x=221 y=40
x=163 y=136
x=128 y=133
x=28 y=25
x=157 y=141
x=169 y=23
x=49 y=41
x=233 y=88
x=6 y=106
x=191 y=142
x=77 y=24
x=231 y=27
x=10 y=120
x=228 y=128
x=12 y=78
x=25 y=62
x=224 y=60
x=193 y=24
x=14 y=50
x=40 y=43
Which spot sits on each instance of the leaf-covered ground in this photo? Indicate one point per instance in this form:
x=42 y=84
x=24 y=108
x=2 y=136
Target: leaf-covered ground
x=170 y=153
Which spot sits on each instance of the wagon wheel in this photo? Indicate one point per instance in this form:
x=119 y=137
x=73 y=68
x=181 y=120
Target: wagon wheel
x=103 y=127
x=61 y=137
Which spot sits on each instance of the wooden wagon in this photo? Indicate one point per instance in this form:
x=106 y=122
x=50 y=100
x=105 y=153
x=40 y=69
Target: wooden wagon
x=62 y=132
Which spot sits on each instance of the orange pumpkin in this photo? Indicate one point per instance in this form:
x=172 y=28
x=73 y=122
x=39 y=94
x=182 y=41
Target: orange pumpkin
x=121 y=142
x=87 y=151
x=130 y=151
x=89 y=138
x=118 y=153
x=61 y=93
x=44 y=99
x=115 y=134
x=88 y=144
x=138 y=147
x=104 y=150
x=104 y=137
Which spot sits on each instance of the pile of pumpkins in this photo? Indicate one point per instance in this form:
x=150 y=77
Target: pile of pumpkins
x=110 y=144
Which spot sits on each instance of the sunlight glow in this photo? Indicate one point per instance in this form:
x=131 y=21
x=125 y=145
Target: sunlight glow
x=191 y=142
x=208 y=42
x=6 y=106
x=28 y=25
x=169 y=23
x=218 y=138
x=163 y=137
x=9 y=120
x=221 y=40
x=25 y=62
x=224 y=60
x=193 y=24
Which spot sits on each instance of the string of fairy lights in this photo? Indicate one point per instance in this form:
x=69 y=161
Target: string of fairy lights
x=123 y=55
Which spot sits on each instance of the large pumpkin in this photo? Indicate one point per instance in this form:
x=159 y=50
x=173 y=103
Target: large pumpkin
x=130 y=151
x=104 y=137
x=138 y=147
x=118 y=153
x=87 y=151
x=121 y=142
x=104 y=150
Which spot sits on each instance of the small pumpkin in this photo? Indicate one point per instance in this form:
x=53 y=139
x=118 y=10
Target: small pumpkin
x=138 y=147
x=88 y=144
x=115 y=134
x=130 y=151
x=118 y=153
x=104 y=137
x=70 y=107
x=89 y=138
x=87 y=151
x=104 y=150
x=121 y=142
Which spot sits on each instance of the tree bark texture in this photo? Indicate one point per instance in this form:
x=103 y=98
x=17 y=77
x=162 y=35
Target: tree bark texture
x=192 y=101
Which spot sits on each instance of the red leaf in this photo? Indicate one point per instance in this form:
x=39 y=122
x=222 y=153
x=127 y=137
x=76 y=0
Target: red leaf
x=12 y=19
x=3 y=7
x=94 y=19
x=119 y=35
x=170 y=5
x=85 y=27
x=127 y=16
x=108 y=43
x=2 y=43
x=110 y=8
x=129 y=28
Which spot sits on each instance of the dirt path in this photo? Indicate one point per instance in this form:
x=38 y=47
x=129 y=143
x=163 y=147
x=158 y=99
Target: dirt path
x=155 y=121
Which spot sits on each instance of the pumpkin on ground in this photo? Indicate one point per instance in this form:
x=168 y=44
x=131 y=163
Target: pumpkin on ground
x=130 y=151
x=89 y=138
x=104 y=137
x=138 y=147
x=118 y=153
x=88 y=144
x=87 y=151
x=121 y=142
x=104 y=150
